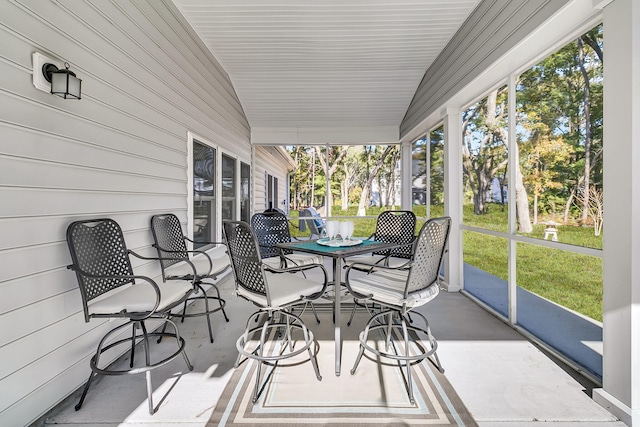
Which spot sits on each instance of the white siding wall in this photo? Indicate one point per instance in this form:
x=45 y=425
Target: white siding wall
x=268 y=160
x=119 y=152
x=492 y=29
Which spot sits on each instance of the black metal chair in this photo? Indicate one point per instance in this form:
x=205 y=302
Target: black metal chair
x=275 y=294
x=110 y=289
x=173 y=255
x=399 y=291
x=391 y=227
x=272 y=227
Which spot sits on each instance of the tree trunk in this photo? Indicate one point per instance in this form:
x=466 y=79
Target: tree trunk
x=587 y=130
x=367 y=185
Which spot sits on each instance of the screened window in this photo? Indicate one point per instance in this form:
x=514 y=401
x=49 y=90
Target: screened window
x=204 y=193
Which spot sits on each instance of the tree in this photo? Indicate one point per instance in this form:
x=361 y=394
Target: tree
x=371 y=174
x=330 y=163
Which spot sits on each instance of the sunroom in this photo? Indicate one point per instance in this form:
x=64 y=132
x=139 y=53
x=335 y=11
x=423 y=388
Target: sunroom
x=169 y=86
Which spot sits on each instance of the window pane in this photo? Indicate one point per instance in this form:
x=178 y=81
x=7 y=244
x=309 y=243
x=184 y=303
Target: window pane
x=486 y=269
x=228 y=187
x=484 y=162
x=559 y=115
x=436 y=172
x=245 y=192
x=545 y=285
x=419 y=177
x=204 y=194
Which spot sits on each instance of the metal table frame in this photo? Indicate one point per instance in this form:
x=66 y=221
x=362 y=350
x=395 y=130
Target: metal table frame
x=338 y=254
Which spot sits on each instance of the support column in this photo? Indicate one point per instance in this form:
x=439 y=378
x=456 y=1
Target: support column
x=621 y=337
x=406 y=175
x=453 y=197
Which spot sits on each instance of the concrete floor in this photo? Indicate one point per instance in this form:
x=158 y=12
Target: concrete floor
x=502 y=378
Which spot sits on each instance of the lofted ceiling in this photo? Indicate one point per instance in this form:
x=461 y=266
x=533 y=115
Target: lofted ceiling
x=325 y=63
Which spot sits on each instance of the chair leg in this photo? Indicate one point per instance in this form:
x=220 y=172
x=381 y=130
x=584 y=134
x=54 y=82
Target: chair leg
x=364 y=336
x=179 y=342
x=220 y=301
x=95 y=360
x=353 y=312
x=260 y=351
x=206 y=309
x=313 y=308
x=312 y=355
x=405 y=335
x=133 y=344
x=84 y=392
x=149 y=392
x=147 y=354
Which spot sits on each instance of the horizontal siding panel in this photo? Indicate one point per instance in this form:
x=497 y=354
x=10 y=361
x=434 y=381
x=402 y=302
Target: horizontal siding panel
x=152 y=85
x=120 y=152
x=29 y=231
x=34 y=144
x=43 y=370
x=26 y=350
x=41 y=314
x=33 y=288
x=166 y=45
x=20 y=202
x=32 y=260
x=45 y=118
x=91 y=109
x=72 y=360
x=28 y=260
x=38 y=315
x=71 y=177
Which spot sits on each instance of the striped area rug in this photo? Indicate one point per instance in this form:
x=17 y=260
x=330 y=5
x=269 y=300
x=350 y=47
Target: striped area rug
x=374 y=395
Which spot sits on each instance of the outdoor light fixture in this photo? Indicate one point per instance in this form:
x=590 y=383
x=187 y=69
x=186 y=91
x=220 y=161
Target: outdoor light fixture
x=64 y=82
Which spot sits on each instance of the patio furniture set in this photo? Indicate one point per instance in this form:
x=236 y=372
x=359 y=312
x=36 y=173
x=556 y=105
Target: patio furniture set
x=390 y=273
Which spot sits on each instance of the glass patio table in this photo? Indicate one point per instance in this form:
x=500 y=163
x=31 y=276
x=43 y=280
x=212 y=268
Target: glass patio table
x=338 y=254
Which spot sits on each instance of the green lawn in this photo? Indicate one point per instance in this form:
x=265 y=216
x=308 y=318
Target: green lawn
x=569 y=279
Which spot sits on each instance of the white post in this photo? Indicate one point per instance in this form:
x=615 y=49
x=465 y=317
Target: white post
x=406 y=175
x=453 y=197
x=621 y=337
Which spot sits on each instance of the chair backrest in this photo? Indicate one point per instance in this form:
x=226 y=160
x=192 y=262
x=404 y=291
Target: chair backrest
x=312 y=220
x=244 y=256
x=270 y=228
x=168 y=239
x=97 y=248
x=428 y=253
x=396 y=227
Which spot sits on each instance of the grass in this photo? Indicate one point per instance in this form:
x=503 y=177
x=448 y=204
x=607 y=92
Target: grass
x=567 y=278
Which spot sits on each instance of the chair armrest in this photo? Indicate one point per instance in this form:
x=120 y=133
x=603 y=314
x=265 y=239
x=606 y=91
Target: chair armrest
x=193 y=267
x=371 y=267
x=150 y=281
x=299 y=268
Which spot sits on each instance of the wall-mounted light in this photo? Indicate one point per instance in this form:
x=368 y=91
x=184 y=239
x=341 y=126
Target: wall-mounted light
x=64 y=83
x=49 y=76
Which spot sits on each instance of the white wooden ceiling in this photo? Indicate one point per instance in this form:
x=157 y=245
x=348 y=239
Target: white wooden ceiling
x=325 y=63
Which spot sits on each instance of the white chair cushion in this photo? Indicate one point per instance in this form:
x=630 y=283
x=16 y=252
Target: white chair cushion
x=140 y=297
x=296 y=259
x=273 y=261
x=219 y=260
x=376 y=259
x=284 y=289
x=387 y=286
x=293 y=260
